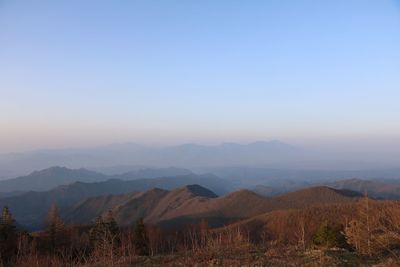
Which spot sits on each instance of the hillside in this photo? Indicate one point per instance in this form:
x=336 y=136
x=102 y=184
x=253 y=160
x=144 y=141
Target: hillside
x=318 y=195
x=288 y=226
x=154 y=205
x=244 y=204
x=375 y=189
x=267 y=191
x=192 y=203
x=30 y=208
x=85 y=211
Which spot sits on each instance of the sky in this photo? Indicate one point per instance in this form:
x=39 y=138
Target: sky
x=77 y=73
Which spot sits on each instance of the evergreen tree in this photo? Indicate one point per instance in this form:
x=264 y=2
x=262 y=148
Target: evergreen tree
x=8 y=237
x=330 y=236
x=363 y=231
x=55 y=228
x=96 y=230
x=141 y=240
x=105 y=232
x=111 y=224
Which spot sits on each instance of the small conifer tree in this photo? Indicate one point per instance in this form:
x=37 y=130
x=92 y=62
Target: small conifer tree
x=105 y=233
x=8 y=237
x=55 y=228
x=141 y=240
x=330 y=236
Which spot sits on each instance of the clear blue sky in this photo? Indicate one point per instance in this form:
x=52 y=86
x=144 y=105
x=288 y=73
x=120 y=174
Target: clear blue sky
x=96 y=72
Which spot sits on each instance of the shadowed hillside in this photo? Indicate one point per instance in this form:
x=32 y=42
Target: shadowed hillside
x=318 y=195
x=30 y=208
x=193 y=203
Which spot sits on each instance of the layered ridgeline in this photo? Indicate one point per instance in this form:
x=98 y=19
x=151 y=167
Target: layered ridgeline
x=379 y=189
x=49 y=178
x=30 y=208
x=52 y=177
x=270 y=153
x=155 y=204
x=193 y=203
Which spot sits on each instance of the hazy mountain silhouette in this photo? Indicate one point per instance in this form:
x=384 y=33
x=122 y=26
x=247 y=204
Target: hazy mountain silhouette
x=152 y=173
x=186 y=156
x=284 y=180
x=52 y=177
x=49 y=178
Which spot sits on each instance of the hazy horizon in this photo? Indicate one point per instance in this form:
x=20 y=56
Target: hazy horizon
x=264 y=154
x=90 y=73
x=328 y=145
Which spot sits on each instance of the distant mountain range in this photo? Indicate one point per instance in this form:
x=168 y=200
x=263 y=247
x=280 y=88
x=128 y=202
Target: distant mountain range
x=269 y=153
x=52 y=177
x=83 y=194
x=375 y=188
x=296 y=178
x=144 y=173
x=83 y=201
x=49 y=178
x=261 y=158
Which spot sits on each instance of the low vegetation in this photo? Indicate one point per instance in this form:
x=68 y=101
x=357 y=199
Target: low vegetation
x=362 y=233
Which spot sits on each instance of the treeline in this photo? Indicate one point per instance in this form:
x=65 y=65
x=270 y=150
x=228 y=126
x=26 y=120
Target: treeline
x=102 y=244
x=368 y=228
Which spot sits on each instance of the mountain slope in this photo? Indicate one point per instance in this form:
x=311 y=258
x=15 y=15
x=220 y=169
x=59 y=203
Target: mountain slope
x=192 y=203
x=297 y=225
x=375 y=189
x=154 y=205
x=318 y=195
x=30 y=208
x=181 y=201
x=86 y=210
x=244 y=204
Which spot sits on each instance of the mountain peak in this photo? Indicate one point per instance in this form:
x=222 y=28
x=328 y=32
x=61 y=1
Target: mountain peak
x=51 y=170
x=200 y=191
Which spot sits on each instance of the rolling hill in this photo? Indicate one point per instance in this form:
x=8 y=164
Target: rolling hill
x=293 y=226
x=244 y=203
x=30 y=208
x=154 y=205
x=374 y=188
x=192 y=203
